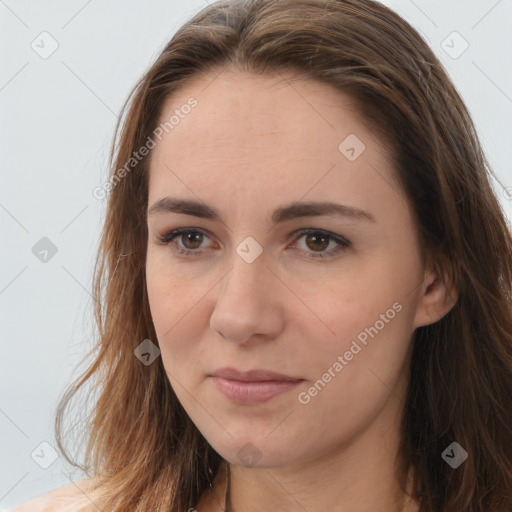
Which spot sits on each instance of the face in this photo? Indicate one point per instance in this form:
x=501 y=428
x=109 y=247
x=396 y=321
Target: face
x=327 y=299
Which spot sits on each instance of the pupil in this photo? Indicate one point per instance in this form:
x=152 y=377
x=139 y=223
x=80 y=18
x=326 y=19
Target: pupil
x=192 y=235
x=316 y=237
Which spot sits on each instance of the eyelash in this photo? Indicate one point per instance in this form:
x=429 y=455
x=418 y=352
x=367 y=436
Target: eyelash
x=343 y=244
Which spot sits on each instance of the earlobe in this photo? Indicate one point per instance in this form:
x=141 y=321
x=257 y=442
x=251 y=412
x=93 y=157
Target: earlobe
x=436 y=301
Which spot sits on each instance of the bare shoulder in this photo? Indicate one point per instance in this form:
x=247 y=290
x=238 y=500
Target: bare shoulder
x=57 y=500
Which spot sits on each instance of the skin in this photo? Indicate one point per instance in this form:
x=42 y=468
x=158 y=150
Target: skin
x=254 y=143
x=57 y=500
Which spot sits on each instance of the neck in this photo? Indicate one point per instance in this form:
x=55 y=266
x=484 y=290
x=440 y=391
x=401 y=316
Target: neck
x=304 y=488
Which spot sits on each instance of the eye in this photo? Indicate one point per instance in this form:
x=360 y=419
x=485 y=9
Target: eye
x=318 y=239
x=315 y=239
x=190 y=236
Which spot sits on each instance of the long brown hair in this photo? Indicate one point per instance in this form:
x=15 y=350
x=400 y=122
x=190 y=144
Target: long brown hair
x=142 y=449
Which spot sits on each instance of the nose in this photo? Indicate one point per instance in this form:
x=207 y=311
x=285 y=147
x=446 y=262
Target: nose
x=248 y=302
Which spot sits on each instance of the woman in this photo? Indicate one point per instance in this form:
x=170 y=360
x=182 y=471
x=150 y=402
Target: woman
x=304 y=281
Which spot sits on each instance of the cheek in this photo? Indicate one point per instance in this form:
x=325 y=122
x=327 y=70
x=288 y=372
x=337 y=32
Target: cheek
x=170 y=293
x=351 y=380
x=346 y=307
x=370 y=319
x=172 y=303
x=366 y=335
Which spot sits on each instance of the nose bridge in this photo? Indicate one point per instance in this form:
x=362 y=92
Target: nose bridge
x=248 y=266
x=245 y=304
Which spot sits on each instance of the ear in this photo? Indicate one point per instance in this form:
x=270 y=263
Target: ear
x=437 y=298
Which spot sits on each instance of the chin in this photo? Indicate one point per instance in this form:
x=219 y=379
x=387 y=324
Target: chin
x=256 y=452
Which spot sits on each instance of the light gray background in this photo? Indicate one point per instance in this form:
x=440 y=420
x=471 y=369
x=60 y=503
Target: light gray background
x=57 y=116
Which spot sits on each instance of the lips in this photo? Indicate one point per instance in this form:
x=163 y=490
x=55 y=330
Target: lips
x=253 y=375
x=253 y=386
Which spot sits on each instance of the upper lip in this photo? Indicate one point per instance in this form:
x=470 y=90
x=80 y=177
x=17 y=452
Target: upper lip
x=256 y=375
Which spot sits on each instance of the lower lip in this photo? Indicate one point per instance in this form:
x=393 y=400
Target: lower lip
x=254 y=392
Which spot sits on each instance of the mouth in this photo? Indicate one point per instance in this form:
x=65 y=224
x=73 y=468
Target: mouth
x=253 y=386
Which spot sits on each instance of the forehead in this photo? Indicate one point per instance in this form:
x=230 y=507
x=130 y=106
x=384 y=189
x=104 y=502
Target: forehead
x=237 y=111
x=253 y=134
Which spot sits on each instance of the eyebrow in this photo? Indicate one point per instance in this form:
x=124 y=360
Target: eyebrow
x=284 y=213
